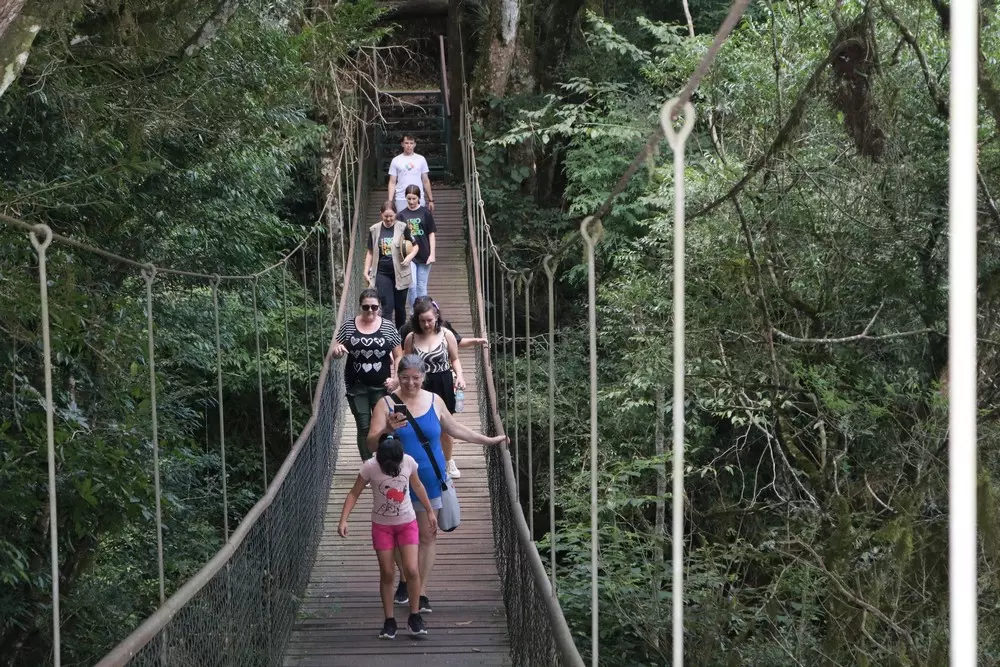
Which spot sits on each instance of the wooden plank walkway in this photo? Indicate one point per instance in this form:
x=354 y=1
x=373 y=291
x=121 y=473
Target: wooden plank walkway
x=341 y=613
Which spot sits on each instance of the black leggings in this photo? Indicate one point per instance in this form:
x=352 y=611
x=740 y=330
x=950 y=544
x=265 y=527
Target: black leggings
x=393 y=300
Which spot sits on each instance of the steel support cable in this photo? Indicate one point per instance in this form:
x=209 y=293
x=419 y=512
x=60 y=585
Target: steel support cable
x=677 y=139
x=526 y=279
x=512 y=279
x=288 y=355
x=333 y=269
x=319 y=285
x=41 y=238
x=503 y=342
x=550 y=271
x=305 y=320
x=263 y=455
x=260 y=386
x=589 y=241
x=340 y=197
x=149 y=275
x=962 y=327
x=222 y=414
x=100 y=252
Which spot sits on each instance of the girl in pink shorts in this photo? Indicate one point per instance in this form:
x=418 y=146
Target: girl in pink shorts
x=394 y=525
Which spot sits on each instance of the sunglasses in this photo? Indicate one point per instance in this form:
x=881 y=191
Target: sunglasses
x=367 y=307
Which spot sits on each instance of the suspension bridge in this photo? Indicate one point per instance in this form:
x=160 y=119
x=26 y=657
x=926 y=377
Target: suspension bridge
x=285 y=590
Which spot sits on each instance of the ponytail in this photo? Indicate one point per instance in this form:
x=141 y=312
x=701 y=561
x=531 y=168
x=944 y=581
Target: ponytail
x=389 y=454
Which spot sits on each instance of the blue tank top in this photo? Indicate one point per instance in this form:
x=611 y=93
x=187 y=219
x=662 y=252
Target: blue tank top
x=431 y=427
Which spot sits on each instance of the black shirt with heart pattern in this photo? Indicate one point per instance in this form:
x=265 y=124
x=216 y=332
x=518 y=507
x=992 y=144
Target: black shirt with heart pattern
x=369 y=356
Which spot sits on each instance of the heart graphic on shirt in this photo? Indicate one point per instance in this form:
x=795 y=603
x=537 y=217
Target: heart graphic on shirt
x=395 y=494
x=367 y=354
x=367 y=367
x=357 y=367
x=378 y=353
x=377 y=366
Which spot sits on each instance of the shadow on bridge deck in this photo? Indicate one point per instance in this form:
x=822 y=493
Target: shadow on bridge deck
x=341 y=613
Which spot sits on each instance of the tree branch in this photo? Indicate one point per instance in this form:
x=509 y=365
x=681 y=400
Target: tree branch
x=210 y=28
x=849 y=339
x=794 y=116
x=860 y=602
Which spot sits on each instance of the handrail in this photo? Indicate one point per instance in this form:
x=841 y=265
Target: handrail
x=152 y=626
x=563 y=638
x=444 y=78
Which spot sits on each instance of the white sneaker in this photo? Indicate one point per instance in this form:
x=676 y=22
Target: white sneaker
x=453 y=470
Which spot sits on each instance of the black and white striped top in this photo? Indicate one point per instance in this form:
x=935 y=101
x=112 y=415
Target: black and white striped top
x=436 y=359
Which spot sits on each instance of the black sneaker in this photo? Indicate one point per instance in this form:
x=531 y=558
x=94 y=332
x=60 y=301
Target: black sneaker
x=416 y=625
x=402 y=596
x=425 y=605
x=388 y=629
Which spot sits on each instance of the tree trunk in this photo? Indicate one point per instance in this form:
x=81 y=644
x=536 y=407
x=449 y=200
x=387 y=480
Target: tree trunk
x=9 y=11
x=17 y=32
x=497 y=59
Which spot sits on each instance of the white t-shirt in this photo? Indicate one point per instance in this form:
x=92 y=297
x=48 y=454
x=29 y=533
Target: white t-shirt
x=391 y=504
x=408 y=170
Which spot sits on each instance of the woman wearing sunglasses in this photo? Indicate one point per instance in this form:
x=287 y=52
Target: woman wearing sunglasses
x=370 y=373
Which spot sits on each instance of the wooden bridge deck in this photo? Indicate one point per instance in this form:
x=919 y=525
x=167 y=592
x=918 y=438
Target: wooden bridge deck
x=341 y=614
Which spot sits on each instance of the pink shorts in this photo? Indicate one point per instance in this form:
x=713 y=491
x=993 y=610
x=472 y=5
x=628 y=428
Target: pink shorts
x=386 y=538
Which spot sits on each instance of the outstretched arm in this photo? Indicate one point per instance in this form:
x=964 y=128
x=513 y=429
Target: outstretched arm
x=456 y=430
x=472 y=342
x=349 y=502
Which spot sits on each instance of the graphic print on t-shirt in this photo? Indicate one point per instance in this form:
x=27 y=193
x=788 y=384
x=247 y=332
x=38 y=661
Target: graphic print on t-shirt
x=415 y=225
x=385 y=246
x=394 y=490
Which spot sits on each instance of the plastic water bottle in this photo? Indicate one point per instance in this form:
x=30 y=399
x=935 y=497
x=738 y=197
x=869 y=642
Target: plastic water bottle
x=459 y=400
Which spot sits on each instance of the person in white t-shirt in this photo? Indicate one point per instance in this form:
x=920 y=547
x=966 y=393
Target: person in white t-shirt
x=392 y=474
x=410 y=168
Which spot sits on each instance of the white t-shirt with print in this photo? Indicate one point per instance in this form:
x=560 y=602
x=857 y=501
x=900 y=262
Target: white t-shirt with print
x=391 y=504
x=408 y=170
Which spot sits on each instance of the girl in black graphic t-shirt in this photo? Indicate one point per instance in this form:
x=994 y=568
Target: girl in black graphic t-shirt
x=420 y=225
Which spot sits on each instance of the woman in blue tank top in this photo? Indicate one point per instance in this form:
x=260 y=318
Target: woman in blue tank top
x=433 y=417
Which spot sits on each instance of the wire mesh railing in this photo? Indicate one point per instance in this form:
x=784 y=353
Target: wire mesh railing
x=538 y=632
x=240 y=608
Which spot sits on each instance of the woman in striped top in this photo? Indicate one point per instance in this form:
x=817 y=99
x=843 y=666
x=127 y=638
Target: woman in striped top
x=438 y=348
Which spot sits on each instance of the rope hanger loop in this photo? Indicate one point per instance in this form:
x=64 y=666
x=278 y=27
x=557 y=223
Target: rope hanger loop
x=676 y=138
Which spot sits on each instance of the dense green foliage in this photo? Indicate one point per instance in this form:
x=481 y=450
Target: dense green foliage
x=816 y=522
x=206 y=163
